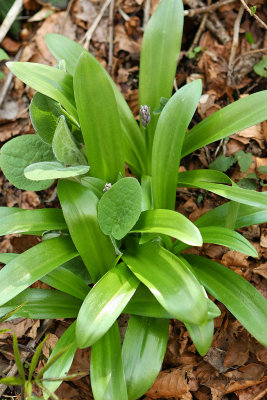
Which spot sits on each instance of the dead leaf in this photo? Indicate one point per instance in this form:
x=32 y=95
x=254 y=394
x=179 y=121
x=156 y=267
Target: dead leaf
x=30 y=200
x=19 y=326
x=215 y=357
x=237 y=353
x=261 y=270
x=10 y=45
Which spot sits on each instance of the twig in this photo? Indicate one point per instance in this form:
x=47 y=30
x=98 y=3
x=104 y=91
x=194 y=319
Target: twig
x=199 y=32
x=87 y=37
x=32 y=343
x=8 y=81
x=248 y=53
x=10 y=18
x=235 y=43
x=110 y=23
x=203 y=10
x=253 y=15
x=123 y=14
x=146 y=13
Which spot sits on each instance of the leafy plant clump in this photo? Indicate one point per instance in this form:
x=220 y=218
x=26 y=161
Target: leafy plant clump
x=116 y=245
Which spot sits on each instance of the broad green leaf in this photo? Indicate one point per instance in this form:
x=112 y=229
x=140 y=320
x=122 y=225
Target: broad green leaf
x=31 y=265
x=6 y=257
x=245 y=196
x=261 y=67
x=201 y=335
x=95 y=184
x=168 y=140
x=44 y=113
x=63 y=363
x=103 y=304
x=143 y=351
x=66 y=281
x=79 y=206
x=99 y=119
x=159 y=55
x=47 y=80
x=119 y=208
x=20 y=152
x=29 y=221
x=247 y=215
x=241 y=114
x=43 y=304
x=107 y=376
x=46 y=170
x=171 y=282
x=3 y=55
x=134 y=144
x=6 y=211
x=169 y=223
x=64 y=145
x=203 y=175
x=235 y=292
x=224 y=237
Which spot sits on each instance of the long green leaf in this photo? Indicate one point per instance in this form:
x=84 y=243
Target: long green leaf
x=244 y=196
x=63 y=363
x=168 y=142
x=159 y=55
x=224 y=237
x=235 y=292
x=36 y=356
x=64 y=48
x=47 y=80
x=17 y=357
x=107 y=376
x=99 y=119
x=170 y=223
x=171 y=282
x=31 y=265
x=247 y=215
x=6 y=211
x=43 y=304
x=143 y=352
x=104 y=303
x=79 y=205
x=29 y=221
x=239 y=115
x=201 y=335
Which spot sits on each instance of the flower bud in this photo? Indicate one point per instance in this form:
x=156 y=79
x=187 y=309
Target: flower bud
x=145 y=115
x=107 y=187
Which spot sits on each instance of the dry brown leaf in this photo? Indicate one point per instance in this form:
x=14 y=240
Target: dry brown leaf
x=235 y=259
x=10 y=45
x=215 y=357
x=19 y=326
x=261 y=270
x=253 y=132
x=30 y=200
x=237 y=353
x=256 y=392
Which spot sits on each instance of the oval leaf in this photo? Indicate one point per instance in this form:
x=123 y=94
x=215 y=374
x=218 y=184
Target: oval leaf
x=201 y=335
x=143 y=351
x=235 y=292
x=120 y=207
x=104 y=304
x=171 y=282
x=107 y=377
x=45 y=170
x=169 y=223
x=15 y=158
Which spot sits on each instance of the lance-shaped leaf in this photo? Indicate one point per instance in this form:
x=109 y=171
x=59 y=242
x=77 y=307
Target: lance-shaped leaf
x=99 y=119
x=79 y=206
x=107 y=376
x=31 y=265
x=170 y=280
x=43 y=304
x=248 y=111
x=30 y=221
x=235 y=292
x=201 y=335
x=168 y=140
x=104 y=303
x=159 y=55
x=169 y=223
x=143 y=351
x=44 y=113
x=244 y=196
x=224 y=237
x=119 y=208
x=247 y=215
x=51 y=82
x=64 y=145
x=14 y=160
x=43 y=170
x=62 y=365
x=64 y=48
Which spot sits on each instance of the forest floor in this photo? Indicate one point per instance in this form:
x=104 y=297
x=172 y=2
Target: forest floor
x=221 y=45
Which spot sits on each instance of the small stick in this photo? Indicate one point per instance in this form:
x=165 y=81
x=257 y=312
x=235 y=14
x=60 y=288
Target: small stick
x=235 y=43
x=123 y=14
x=199 y=32
x=254 y=15
x=110 y=48
x=247 y=53
x=10 y=18
x=8 y=81
x=146 y=13
x=87 y=37
x=203 y=10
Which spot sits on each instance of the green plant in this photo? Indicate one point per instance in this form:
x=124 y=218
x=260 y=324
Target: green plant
x=116 y=233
